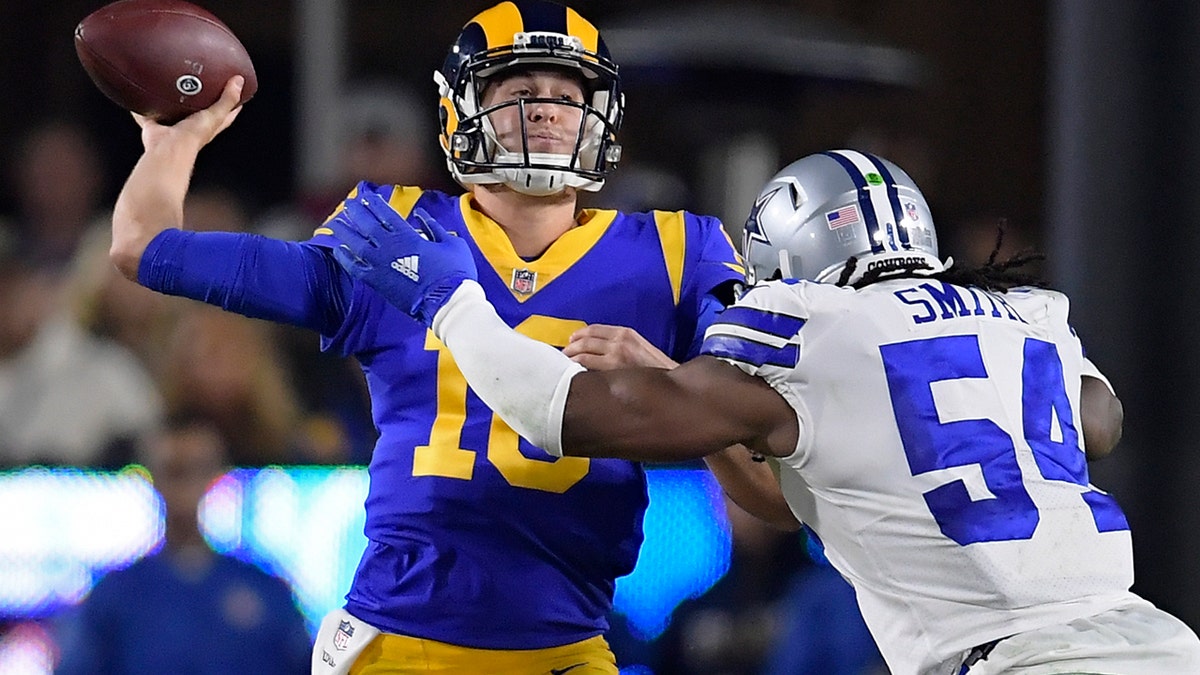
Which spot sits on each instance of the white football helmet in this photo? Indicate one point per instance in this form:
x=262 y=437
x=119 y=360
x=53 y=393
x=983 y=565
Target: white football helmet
x=528 y=33
x=821 y=210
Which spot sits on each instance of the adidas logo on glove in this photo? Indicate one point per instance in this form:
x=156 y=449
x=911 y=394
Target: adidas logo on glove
x=407 y=266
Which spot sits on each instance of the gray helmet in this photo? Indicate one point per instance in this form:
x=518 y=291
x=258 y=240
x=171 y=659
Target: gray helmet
x=820 y=210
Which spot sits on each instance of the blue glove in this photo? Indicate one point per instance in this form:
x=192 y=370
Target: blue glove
x=415 y=263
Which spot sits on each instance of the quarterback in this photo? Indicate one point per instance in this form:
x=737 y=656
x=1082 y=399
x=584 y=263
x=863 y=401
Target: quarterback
x=485 y=554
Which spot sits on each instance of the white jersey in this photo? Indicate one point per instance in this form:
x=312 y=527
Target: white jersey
x=940 y=456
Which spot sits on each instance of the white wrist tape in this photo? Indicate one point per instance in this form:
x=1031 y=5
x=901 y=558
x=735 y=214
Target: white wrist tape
x=524 y=381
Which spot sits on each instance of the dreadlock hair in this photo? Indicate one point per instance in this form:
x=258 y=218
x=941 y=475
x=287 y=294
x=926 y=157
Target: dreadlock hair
x=991 y=276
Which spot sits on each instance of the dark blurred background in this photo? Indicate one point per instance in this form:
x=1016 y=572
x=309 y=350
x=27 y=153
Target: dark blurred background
x=1070 y=121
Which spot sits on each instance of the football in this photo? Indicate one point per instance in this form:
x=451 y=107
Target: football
x=164 y=59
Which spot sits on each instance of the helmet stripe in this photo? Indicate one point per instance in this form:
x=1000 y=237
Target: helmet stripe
x=886 y=208
x=500 y=24
x=894 y=198
x=584 y=30
x=865 y=201
x=544 y=16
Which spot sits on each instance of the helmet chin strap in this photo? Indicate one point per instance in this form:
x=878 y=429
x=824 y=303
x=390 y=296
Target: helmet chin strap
x=541 y=182
x=533 y=182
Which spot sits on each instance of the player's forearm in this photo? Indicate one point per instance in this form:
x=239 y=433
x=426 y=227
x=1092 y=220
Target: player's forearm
x=522 y=380
x=752 y=485
x=151 y=200
x=622 y=414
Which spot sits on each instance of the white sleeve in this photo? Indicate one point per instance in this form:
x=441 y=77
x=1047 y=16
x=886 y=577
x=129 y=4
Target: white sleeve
x=522 y=380
x=1090 y=370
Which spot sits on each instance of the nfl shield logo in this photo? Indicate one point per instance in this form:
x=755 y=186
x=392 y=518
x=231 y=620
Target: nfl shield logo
x=524 y=281
x=911 y=209
x=342 y=637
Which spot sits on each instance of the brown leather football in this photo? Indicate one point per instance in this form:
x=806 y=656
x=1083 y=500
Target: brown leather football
x=164 y=59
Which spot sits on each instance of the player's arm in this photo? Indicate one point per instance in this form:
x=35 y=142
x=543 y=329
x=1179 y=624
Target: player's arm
x=644 y=414
x=752 y=485
x=649 y=414
x=752 y=482
x=1101 y=413
x=289 y=282
x=152 y=198
x=1103 y=417
x=703 y=406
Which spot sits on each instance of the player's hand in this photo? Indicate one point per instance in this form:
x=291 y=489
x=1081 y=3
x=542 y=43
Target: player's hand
x=415 y=264
x=201 y=126
x=602 y=347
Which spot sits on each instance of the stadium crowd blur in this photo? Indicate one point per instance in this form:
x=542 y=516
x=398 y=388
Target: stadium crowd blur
x=91 y=364
x=94 y=369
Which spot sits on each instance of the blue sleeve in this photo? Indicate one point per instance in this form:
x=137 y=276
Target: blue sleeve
x=718 y=264
x=714 y=271
x=710 y=306
x=296 y=283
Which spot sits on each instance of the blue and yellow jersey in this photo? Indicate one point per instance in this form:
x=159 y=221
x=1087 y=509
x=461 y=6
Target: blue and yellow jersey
x=477 y=538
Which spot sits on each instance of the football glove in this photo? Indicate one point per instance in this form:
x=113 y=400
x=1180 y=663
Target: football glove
x=414 y=263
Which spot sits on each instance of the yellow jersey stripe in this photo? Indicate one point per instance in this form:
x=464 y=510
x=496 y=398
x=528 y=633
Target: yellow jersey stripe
x=338 y=209
x=672 y=235
x=740 y=265
x=404 y=198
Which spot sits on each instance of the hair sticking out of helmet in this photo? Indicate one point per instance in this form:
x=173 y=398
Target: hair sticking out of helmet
x=840 y=216
x=529 y=34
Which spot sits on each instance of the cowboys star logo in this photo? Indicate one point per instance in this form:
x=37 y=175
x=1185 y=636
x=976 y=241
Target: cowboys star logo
x=753 y=230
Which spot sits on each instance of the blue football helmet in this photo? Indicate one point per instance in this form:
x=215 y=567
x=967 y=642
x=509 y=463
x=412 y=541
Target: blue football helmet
x=528 y=33
x=823 y=209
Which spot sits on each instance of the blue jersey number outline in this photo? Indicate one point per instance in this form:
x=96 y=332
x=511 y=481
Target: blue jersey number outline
x=912 y=367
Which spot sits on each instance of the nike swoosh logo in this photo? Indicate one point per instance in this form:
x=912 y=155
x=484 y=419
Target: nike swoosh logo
x=560 y=671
